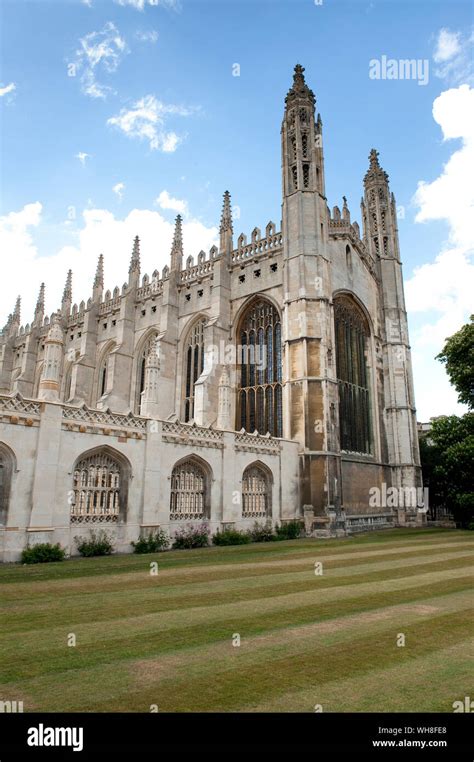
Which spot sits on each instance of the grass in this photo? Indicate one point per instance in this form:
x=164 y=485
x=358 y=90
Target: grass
x=305 y=639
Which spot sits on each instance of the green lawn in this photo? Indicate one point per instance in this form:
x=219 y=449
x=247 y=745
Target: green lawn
x=305 y=639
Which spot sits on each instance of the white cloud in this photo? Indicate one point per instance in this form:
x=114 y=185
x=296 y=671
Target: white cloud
x=165 y=201
x=146 y=121
x=7 y=89
x=441 y=291
x=139 y=5
x=453 y=54
x=98 y=52
x=82 y=156
x=118 y=189
x=447 y=45
x=148 y=36
x=99 y=232
x=451 y=196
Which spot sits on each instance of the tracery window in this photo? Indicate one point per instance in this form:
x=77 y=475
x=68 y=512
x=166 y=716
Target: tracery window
x=194 y=365
x=189 y=491
x=98 y=489
x=352 y=334
x=256 y=491
x=6 y=469
x=260 y=358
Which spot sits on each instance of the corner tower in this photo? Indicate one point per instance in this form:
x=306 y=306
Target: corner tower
x=307 y=292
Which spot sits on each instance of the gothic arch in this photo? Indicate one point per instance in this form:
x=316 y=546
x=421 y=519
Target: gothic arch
x=7 y=469
x=345 y=292
x=142 y=348
x=192 y=353
x=100 y=478
x=236 y=322
x=102 y=371
x=190 y=494
x=257 y=483
x=352 y=332
x=259 y=367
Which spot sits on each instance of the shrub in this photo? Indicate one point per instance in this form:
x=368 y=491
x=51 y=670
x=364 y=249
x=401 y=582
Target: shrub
x=154 y=542
x=471 y=526
x=262 y=532
x=43 y=553
x=191 y=537
x=99 y=544
x=231 y=537
x=289 y=531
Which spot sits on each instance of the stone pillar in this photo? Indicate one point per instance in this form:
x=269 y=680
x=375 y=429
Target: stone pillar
x=224 y=402
x=150 y=405
x=48 y=451
x=53 y=357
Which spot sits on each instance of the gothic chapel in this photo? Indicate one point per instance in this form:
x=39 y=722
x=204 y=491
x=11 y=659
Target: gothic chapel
x=130 y=412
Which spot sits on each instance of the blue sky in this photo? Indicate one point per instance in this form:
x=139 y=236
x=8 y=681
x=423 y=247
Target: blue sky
x=204 y=130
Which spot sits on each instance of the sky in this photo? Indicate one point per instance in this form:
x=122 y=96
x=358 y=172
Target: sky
x=118 y=114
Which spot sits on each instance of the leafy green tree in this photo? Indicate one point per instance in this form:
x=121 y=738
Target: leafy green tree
x=447 y=451
x=447 y=457
x=458 y=356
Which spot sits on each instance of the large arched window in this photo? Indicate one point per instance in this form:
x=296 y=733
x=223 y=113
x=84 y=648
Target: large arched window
x=100 y=488
x=148 y=345
x=193 y=364
x=6 y=470
x=256 y=493
x=189 y=491
x=352 y=335
x=259 y=352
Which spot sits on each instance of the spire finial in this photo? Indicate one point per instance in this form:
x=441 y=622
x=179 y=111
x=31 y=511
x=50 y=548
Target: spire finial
x=226 y=216
x=177 y=245
x=375 y=171
x=135 y=260
x=17 y=310
x=99 y=273
x=299 y=88
x=374 y=159
x=67 y=293
x=40 y=301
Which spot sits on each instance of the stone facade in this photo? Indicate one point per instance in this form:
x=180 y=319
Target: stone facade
x=140 y=408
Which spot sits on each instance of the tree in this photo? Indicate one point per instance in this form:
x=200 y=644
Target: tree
x=447 y=457
x=458 y=356
x=447 y=451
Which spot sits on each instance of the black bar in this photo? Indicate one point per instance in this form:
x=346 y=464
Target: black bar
x=446 y=736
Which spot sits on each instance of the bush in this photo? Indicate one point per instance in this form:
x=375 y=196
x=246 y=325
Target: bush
x=154 y=542
x=43 y=553
x=191 y=537
x=262 y=532
x=99 y=544
x=471 y=526
x=289 y=531
x=231 y=537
